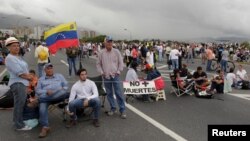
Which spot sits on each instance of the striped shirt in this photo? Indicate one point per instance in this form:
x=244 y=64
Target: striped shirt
x=110 y=63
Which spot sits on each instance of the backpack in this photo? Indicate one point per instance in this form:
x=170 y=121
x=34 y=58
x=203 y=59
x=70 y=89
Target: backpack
x=43 y=55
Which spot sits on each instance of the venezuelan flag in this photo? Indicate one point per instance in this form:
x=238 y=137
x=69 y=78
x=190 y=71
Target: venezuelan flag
x=61 y=36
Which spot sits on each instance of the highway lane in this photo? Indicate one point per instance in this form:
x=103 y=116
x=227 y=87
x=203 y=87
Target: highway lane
x=187 y=116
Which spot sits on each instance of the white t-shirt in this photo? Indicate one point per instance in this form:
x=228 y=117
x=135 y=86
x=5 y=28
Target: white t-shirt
x=150 y=58
x=160 y=48
x=83 y=89
x=230 y=78
x=131 y=75
x=241 y=74
x=174 y=54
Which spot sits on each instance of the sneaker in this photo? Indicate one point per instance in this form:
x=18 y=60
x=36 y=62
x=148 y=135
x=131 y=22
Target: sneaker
x=111 y=113
x=123 y=115
x=44 y=132
x=25 y=128
x=96 y=123
x=71 y=124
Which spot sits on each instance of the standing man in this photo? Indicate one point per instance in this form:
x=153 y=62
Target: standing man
x=210 y=57
x=190 y=53
x=160 y=50
x=174 y=57
x=224 y=59
x=19 y=81
x=72 y=53
x=84 y=94
x=110 y=65
x=42 y=55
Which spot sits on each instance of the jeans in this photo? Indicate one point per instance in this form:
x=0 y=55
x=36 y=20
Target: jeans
x=72 y=64
x=109 y=85
x=45 y=101
x=175 y=63
x=40 y=67
x=160 y=56
x=223 y=64
x=19 y=92
x=78 y=103
x=209 y=63
x=190 y=57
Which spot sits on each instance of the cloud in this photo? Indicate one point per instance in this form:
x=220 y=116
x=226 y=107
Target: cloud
x=163 y=19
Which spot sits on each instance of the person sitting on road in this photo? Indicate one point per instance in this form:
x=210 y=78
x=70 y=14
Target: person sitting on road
x=217 y=83
x=83 y=94
x=131 y=74
x=231 y=77
x=180 y=81
x=184 y=72
x=241 y=75
x=51 y=87
x=200 y=78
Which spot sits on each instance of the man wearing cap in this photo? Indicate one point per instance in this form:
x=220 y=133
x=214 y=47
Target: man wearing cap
x=110 y=65
x=40 y=62
x=51 y=87
x=19 y=81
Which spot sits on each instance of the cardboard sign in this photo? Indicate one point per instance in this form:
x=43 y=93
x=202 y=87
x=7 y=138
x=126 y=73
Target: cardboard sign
x=139 y=87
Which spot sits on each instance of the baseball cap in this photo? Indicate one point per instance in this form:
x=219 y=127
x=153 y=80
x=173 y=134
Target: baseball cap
x=48 y=65
x=11 y=40
x=108 y=38
x=148 y=66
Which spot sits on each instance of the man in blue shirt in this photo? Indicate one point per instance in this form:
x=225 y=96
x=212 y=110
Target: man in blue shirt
x=50 y=88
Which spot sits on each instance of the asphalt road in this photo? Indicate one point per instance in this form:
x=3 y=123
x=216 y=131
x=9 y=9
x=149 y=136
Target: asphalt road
x=177 y=118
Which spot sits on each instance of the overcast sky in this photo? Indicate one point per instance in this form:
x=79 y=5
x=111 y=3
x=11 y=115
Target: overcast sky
x=163 y=19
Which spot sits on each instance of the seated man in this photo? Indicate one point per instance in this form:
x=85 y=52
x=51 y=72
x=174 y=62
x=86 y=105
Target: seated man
x=241 y=75
x=217 y=82
x=184 y=71
x=83 y=94
x=181 y=82
x=200 y=78
x=50 y=88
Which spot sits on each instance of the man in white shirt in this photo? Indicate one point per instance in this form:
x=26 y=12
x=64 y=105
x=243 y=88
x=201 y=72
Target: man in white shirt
x=224 y=59
x=83 y=94
x=174 y=57
x=160 y=50
x=241 y=75
x=231 y=77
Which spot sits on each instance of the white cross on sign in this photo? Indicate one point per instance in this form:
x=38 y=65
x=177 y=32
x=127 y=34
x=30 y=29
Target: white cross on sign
x=139 y=87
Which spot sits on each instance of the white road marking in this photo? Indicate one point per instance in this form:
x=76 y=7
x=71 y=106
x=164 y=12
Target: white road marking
x=3 y=72
x=165 y=71
x=64 y=62
x=150 y=120
x=163 y=66
x=243 y=96
x=156 y=124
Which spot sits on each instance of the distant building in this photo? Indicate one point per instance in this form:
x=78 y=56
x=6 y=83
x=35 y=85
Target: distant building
x=92 y=34
x=21 y=31
x=6 y=32
x=85 y=34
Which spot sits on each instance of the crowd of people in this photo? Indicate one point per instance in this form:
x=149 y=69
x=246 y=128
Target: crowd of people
x=50 y=87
